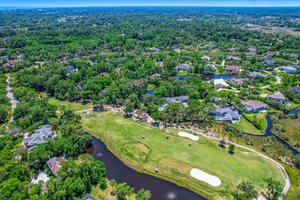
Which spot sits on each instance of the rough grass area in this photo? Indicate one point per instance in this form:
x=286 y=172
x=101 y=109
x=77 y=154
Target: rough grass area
x=246 y=126
x=292 y=131
x=75 y=106
x=294 y=191
x=175 y=158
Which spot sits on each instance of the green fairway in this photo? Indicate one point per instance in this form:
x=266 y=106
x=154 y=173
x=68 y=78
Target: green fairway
x=70 y=105
x=174 y=158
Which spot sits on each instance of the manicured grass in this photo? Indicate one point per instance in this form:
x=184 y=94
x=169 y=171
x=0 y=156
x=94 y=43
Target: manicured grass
x=70 y=105
x=245 y=126
x=260 y=117
x=175 y=158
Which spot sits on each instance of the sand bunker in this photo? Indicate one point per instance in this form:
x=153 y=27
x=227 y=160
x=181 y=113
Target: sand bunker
x=190 y=136
x=203 y=176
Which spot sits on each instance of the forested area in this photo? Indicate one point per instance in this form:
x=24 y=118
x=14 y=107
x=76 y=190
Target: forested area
x=163 y=62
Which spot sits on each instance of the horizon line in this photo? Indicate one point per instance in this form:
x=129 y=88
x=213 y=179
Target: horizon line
x=109 y=6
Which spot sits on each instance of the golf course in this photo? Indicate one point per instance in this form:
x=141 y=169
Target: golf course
x=171 y=155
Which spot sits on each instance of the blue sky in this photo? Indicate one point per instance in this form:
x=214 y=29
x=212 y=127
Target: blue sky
x=68 y=3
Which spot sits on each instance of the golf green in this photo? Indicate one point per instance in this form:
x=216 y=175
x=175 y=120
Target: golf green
x=146 y=148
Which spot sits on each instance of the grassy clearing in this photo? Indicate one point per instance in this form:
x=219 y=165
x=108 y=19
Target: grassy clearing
x=292 y=131
x=175 y=158
x=257 y=118
x=292 y=128
x=75 y=106
x=245 y=126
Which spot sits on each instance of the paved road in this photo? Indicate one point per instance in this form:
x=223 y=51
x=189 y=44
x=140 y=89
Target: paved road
x=11 y=97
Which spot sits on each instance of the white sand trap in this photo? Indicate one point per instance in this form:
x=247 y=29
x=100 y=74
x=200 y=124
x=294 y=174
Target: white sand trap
x=203 y=176
x=190 y=136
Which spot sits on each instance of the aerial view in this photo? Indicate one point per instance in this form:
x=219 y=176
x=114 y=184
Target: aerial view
x=140 y=100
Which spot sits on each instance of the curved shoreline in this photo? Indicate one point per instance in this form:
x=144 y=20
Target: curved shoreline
x=167 y=182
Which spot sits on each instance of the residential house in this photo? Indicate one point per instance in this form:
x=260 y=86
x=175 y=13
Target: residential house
x=252 y=50
x=156 y=75
x=290 y=70
x=268 y=61
x=294 y=55
x=159 y=64
x=206 y=58
x=272 y=53
x=88 y=197
x=55 y=164
x=176 y=48
x=232 y=49
x=256 y=74
x=183 y=67
x=154 y=49
x=71 y=69
x=232 y=69
x=295 y=89
x=104 y=74
x=179 y=99
x=11 y=63
x=233 y=58
x=254 y=106
x=78 y=85
x=277 y=96
x=40 y=136
x=238 y=81
x=227 y=114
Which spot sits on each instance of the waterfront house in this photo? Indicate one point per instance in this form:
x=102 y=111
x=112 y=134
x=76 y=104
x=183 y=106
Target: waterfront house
x=227 y=114
x=277 y=96
x=232 y=69
x=54 y=164
x=238 y=81
x=254 y=106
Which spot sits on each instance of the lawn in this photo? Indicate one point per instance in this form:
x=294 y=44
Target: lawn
x=259 y=117
x=245 y=126
x=175 y=158
x=75 y=106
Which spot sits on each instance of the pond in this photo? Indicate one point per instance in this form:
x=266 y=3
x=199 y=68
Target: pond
x=160 y=189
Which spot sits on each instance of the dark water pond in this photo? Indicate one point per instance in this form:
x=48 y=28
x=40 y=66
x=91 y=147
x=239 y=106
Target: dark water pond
x=160 y=189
